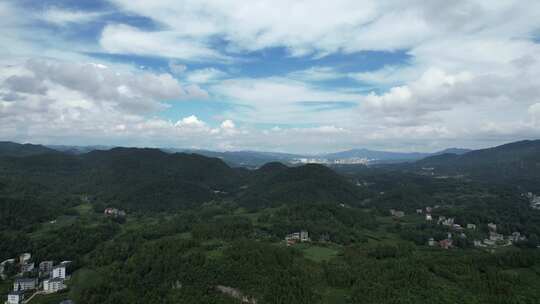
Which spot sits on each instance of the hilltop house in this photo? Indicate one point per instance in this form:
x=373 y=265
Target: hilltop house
x=429 y=218
x=397 y=213
x=53 y=285
x=304 y=236
x=448 y=222
x=15 y=297
x=431 y=242
x=114 y=212
x=457 y=227
x=22 y=284
x=295 y=237
x=441 y=219
x=471 y=226
x=492 y=227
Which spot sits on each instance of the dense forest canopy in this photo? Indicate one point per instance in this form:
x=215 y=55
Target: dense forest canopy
x=198 y=231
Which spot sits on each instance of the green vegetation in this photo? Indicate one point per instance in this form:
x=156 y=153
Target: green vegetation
x=193 y=224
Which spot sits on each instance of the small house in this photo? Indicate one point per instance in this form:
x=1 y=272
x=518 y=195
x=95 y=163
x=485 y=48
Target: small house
x=431 y=242
x=419 y=211
x=492 y=227
x=15 y=297
x=429 y=218
x=304 y=236
x=471 y=226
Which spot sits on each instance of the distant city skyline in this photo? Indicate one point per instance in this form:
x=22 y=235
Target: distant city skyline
x=302 y=77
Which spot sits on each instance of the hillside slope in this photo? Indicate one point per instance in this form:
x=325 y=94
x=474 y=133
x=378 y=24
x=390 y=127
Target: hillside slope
x=517 y=163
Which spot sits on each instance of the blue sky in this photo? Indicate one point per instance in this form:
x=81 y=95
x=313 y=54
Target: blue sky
x=308 y=77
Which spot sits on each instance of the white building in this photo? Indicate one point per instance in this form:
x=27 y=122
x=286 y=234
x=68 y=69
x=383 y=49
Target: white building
x=53 y=285
x=59 y=271
x=471 y=226
x=429 y=218
x=304 y=236
x=46 y=267
x=15 y=297
x=494 y=236
x=23 y=284
x=492 y=227
x=448 y=222
x=28 y=267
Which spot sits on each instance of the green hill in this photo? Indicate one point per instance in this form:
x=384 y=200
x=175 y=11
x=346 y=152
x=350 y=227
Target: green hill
x=517 y=163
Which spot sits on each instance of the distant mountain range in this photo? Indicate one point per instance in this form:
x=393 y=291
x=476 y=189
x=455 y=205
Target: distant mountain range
x=135 y=176
x=252 y=159
x=150 y=179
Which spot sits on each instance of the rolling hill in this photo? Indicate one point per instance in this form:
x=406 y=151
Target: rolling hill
x=517 y=163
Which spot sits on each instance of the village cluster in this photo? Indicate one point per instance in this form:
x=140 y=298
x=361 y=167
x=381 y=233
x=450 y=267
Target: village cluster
x=456 y=230
x=45 y=279
x=297 y=237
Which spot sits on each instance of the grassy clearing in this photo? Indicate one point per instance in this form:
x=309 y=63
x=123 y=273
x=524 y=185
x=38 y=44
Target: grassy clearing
x=50 y=298
x=318 y=253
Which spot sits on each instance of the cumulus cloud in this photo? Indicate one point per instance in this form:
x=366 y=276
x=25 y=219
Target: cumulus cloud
x=470 y=74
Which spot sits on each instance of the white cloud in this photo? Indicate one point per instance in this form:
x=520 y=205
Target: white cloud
x=190 y=122
x=471 y=75
x=124 y=39
x=205 y=75
x=534 y=111
x=64 y=17
x=228 y=124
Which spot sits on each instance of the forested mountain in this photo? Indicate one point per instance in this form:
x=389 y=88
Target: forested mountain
x=385 y=156
x=8 y=148
x=196 y=226
x=154 y=180
x=275 y=184
x=517 y=162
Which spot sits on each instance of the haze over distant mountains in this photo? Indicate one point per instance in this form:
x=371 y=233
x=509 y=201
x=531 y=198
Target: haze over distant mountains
x=253 y=159
x=354 y=156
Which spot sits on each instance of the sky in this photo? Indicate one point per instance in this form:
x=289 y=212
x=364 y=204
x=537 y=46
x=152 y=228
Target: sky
x=290 y=76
